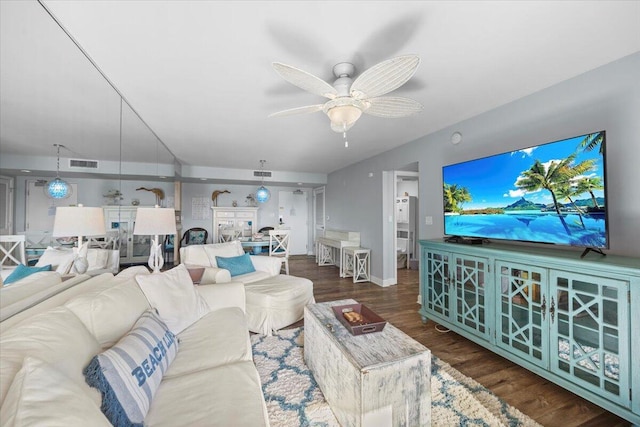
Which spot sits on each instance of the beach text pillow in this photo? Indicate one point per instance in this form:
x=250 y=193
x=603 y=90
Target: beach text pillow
x=130 y=372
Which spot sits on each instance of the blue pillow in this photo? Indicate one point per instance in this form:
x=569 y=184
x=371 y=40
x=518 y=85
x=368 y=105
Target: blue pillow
x=236 y=265
x=129 y=373
x=22 y=271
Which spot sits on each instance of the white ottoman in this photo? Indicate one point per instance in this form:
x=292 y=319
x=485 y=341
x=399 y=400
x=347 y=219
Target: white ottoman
x=276 y=302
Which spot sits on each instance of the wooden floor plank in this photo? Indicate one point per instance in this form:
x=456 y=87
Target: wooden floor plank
x=535 y=396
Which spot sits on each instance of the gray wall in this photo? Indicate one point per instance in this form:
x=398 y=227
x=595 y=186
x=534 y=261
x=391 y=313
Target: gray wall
x=267 y=212
x=90 y=193
x=607 y=98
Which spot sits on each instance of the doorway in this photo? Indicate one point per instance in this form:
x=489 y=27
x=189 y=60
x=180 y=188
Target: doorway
x=396 y=184
x=318 y=214
x=6 y=205
x=293 y=213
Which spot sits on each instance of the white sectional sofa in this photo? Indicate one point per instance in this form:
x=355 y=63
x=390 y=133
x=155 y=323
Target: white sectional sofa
x=211 y=381
x=34 y=289
x=273 y=300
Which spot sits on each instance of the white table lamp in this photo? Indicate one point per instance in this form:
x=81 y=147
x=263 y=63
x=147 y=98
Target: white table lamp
x=82 y=222
x=155 y=221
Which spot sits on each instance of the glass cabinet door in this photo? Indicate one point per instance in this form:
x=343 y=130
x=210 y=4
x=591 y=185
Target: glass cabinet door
x=588 y=333
x=436 y=274
x=469 y=280
x=521 y=308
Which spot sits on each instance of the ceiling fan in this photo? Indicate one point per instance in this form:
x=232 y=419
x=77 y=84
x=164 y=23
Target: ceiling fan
x=349 y=98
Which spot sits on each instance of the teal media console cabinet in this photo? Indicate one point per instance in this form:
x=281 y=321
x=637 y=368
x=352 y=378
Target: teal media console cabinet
x=573 y=321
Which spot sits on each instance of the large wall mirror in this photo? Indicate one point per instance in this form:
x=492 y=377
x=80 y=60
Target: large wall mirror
x=52 y=94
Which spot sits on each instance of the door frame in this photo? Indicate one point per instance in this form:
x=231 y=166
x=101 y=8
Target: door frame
x=318 y=193
x=8 y=226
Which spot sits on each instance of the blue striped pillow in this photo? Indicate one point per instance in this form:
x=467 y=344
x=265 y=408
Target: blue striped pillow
x=129 y=373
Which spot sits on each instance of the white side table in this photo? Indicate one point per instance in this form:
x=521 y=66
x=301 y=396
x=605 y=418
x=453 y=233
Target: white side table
x=356 y=264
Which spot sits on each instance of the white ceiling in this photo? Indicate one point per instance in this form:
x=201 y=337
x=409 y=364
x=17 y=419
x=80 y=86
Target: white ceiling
x=199 y=72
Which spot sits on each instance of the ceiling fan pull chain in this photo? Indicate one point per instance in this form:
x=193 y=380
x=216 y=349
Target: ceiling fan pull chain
x=344 y=135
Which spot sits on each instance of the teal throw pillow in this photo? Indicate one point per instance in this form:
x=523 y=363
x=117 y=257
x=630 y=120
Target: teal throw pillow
x=130 y=372
x=236 y=265
x=22 y=271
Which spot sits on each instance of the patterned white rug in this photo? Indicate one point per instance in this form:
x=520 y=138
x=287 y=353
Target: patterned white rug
x=294 y=399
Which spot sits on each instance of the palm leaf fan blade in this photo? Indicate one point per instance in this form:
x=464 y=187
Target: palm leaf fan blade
x=392 y=107
x=304 y=80
x=385 y=77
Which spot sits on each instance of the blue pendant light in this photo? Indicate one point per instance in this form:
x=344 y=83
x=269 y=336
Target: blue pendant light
x=58 y=188
x=262 y=194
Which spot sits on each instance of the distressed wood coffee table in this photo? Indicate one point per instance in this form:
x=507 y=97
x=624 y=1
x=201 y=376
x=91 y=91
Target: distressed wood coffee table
x=377 y=379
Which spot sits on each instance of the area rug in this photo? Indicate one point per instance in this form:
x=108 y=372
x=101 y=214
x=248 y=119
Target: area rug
x=294 y=399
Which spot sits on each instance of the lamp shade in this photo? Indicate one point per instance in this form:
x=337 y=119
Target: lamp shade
x=155 y=221
x=78 y=221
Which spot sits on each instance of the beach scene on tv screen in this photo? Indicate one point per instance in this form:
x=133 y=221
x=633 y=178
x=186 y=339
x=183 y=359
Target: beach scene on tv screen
x=550 y=193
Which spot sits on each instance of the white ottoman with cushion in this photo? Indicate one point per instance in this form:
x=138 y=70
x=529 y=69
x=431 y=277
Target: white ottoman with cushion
x=276 y=302
x=273 y=300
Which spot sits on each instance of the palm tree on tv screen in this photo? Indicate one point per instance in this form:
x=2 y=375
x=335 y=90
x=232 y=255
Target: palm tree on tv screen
x=589 y=185
x=550 y=178
x=593 y=140
x=454 y=197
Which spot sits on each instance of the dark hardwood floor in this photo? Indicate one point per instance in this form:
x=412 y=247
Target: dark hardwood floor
x=540 y=399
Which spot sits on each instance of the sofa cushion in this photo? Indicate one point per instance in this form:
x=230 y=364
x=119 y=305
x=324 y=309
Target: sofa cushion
x=21 y=271
x=57 y=337
x=228 y=395
x=42 y=395
x=255 y=276
x=218 y=338
x=129 y=374
x=60 y=259
x=227 y=249
x=174 y=296
x=236 y=265
x=195 y=255
x=109 y=313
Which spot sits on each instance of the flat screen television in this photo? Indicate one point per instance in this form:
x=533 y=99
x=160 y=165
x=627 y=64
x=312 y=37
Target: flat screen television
x=551 y=193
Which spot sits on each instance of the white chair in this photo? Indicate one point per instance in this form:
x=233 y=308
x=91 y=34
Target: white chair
x=279 y=246
x=230 y=234
x=13 y=251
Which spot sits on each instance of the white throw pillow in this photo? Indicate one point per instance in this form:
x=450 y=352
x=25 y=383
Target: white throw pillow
x=42 y=395
x=173 y=294
x=225 y=250
x=60 y=259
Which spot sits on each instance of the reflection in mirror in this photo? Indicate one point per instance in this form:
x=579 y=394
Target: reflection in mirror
x=52 y=93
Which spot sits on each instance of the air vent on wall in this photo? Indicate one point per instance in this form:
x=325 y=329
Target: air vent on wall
x=262 y=174
x=84 y=164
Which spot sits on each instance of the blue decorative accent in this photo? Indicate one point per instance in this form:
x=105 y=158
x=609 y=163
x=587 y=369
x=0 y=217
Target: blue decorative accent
x=236 y=265
x=58 y=189
x=263 y=194
x=22 y=271
x=281 y=359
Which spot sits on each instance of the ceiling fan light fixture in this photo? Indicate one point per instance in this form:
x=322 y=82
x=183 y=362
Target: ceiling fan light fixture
x=344 y=112
x=343 y=116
